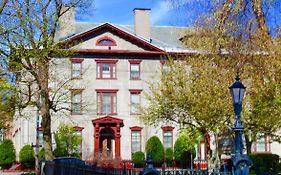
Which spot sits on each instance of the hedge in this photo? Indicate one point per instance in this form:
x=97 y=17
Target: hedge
x=138 y=159
x=155 y=148
x=265 y=163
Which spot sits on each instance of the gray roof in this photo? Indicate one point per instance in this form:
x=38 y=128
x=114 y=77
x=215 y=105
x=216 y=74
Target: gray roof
x=164 y=37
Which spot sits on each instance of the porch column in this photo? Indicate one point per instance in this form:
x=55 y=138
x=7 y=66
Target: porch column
x=96 y=139
x=117 y=142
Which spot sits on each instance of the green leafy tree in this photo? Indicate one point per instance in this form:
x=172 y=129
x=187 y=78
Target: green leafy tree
x=7 y=153
x=155 y=148
x=28 y=43
x=67 y=141
x=169 y=156
x=26 y=156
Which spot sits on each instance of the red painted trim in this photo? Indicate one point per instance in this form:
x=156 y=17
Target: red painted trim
x=113 y=29
x=106 y=61
x=140 y=137
x=135 y=61
x=78 y=128
x=136 y=128
x=106 y=38
x=135 y=91
x=106 y=90
x=167 y=128
x=76 y=60
x=138 y=63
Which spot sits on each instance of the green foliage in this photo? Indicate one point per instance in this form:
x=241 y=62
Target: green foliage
x=155 y=148
x=169 y=154
x=7 y=153
x=184 y=148
x=26 y=156
x=265 y=163
x=138 y=159
x=67 y=141
x=41 y=154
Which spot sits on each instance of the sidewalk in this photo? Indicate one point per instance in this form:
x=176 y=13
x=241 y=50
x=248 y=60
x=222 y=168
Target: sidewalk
x=10 y=173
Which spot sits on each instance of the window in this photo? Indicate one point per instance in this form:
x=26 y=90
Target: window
x=106 y=69
x=135 y=69
x=134 y=101
x=2 y=133
x=106 y=101
x=262 y=144
x=165 y=68
x=106 y=41
x=76 y=68
x=40 y=137
x=79 y=133
x=135 y=139
x=167 y=137
x=76 y=101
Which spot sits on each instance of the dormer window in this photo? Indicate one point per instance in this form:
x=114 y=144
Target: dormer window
x=106 y=41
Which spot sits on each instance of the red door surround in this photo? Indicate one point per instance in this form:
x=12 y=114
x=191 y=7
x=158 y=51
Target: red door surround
x=107 y=122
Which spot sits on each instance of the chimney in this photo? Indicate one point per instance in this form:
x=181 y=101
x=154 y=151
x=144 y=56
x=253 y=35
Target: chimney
x=66 y=22
x=142 y=22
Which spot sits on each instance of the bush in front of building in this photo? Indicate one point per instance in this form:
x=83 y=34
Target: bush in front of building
x=138 y=159
x=26 y=156
x=7 y=154
x=169 y=157
x=41 y=154
x=264 y=163
x=184 y=149
x=155 y=148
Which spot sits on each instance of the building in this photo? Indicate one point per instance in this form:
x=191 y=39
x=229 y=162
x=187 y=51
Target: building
x=109 y=76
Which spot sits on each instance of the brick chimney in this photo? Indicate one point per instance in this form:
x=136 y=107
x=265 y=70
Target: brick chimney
x=66 y=22
x=142 y=22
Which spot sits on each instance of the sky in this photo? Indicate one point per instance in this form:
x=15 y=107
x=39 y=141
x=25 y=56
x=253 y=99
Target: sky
x=163 y=12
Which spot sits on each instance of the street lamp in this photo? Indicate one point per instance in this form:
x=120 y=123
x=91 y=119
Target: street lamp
x=241 y=162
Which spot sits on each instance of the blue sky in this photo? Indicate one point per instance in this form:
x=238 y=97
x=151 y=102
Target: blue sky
x=163 y=12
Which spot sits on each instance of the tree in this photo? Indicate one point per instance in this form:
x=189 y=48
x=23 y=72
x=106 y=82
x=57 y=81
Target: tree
x=29 y=46
x=67 y=141
x=245 y=31
x=193 y=94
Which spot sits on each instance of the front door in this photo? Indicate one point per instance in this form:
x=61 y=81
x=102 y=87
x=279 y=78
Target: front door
x=106 y=142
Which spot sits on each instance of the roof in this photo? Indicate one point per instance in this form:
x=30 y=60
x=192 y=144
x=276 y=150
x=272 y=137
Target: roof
x=166 y=38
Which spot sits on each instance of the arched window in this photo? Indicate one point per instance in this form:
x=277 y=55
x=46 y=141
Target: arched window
x=106 y=41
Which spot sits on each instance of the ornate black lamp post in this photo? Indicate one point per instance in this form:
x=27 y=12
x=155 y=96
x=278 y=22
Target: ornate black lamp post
x=241 y=162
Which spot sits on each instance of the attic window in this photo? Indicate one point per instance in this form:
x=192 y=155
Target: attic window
x=105 y=41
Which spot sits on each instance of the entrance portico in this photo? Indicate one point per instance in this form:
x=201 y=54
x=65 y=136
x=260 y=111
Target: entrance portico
x=107 y=136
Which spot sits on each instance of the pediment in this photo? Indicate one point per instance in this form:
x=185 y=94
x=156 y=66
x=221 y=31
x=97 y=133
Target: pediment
x=108 y=120
x=123 y=40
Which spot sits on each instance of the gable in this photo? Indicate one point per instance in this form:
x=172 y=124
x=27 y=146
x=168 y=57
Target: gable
x=118 y=44
x=124 y=40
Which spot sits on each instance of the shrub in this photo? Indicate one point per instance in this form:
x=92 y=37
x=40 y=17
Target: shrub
x=60 y=152
x=7 y=153
x=264 y=163
x=138 y=159
x=183 y=150
x=155 y=148
x=27 y=156
x=41 y=154
x=169 y=156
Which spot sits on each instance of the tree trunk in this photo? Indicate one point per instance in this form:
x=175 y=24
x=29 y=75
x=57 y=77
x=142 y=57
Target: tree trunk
x=43 y=68
x=248 y=144
x=260 y=17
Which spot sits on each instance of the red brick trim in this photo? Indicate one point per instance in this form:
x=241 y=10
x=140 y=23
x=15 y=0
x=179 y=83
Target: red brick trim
x=136 y=128
x=106 y=38
x=136 y=91
x=135 y=61
x=167 y=128
x=106 y=90
x=106 y=61
x=76 y=60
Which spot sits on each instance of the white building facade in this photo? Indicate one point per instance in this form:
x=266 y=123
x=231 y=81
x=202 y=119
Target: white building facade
x=108 y=77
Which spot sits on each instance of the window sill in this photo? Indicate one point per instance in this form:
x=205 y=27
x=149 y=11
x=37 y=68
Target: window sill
x=76 y=78
x=76 y=113
x=135 y=78
x=106 y=113
x=261 y=152
x=137 y=114
x=106 y=78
